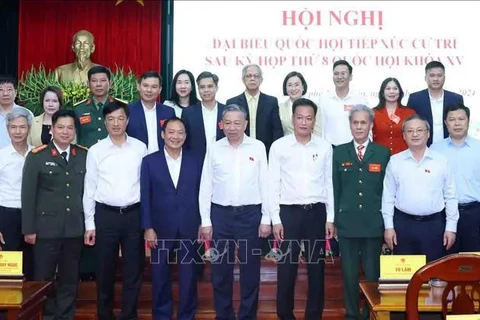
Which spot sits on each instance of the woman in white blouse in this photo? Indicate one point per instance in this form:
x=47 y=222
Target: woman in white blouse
x=294 y=86
x=183 y=93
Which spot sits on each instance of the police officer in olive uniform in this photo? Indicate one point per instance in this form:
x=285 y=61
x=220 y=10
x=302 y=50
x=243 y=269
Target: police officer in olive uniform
x=52 y=212
x=358 y=172
x=90 y=130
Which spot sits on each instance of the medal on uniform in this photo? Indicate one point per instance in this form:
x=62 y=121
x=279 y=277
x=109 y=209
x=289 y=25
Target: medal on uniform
x=85 y=119
x=395 y=118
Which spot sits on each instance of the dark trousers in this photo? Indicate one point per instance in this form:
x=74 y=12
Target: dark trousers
x=420 y=235
x=234 y=226
x=162 y=260
x=305 y=223
x=115 y=228
x=11 y=229
x=64 y=254
x=468 y=229
x=353 y=252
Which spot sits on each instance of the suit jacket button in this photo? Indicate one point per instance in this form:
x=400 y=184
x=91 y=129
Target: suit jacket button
x=360 y=194
x=360 y=206
x=360 y=169
x=68 y=209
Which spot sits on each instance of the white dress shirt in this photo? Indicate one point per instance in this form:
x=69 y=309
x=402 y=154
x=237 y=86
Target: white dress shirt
x=152 y=127
x=173 y=166
x=300 y=174
x=334 y=113
x=419 y=187
x=437 y=118
x=234 y=177
x=113 y=176
x=11 y=172
x=60 y=150
x=210 y=124
x=178 y=110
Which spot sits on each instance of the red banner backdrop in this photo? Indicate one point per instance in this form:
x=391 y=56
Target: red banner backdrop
x=126 y=35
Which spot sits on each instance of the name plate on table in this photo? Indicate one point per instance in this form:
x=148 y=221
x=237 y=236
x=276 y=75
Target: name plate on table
x=463 y=317
x=474 y=253
x=400 y=268
x=11 y=263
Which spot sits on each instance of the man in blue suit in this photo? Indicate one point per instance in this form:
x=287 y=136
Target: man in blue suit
x=146 y=115
x=262 y=110
x=170 y=180
x=431 y=103
x=203 y=120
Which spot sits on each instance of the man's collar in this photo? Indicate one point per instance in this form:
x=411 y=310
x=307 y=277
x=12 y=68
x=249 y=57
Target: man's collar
x=168 y=156
x=147 y=109
x=11 y=148
x=110 y=142
x=214 y=108
x=466 y=142
x=95 y=101
x=294 y=140
x=432 y=98
x=365 y=144
x=245 y=141
x=248 y=96
x=61 y=150
x=426 y=154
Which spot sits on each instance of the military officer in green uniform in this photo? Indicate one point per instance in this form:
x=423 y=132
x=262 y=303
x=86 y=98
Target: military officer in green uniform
x=52 y=212
x=358 y=172
x=90 y=130
x=91 y=127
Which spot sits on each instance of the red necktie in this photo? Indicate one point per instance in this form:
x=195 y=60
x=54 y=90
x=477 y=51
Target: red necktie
x=360 y=154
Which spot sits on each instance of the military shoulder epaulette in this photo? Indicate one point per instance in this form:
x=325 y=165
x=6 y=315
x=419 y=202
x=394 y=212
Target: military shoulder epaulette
x=76 y=104
x=82 y=147
x=40 y=148
x=124 y=101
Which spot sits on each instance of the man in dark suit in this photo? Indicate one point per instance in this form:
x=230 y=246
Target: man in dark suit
x=170 y=180
x=431 y=103
x=52 y=212
x=203 y=125
x=146 y=115
x=203 y=120
x=262 y=110
x=358 y=172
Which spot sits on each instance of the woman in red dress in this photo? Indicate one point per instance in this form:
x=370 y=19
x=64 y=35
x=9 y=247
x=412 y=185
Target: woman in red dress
x=389 y=116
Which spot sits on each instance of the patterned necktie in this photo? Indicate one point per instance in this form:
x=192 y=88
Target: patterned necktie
x=64 y=156
x=360 y=153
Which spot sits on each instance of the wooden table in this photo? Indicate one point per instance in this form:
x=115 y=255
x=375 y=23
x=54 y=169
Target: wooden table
x=383 y=302
x=24 y=301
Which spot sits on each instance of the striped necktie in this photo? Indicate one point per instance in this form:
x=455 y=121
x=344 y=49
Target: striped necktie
x=360 y=152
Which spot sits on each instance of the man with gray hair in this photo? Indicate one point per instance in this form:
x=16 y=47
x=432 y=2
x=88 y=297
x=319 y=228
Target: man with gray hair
x=262 y=110
x=12 y=158
x=419 y=194
x=358 y=171
x=234 y=211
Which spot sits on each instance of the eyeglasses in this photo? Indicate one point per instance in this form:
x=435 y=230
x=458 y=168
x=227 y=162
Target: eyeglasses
x=249 y=75
x=418 y=131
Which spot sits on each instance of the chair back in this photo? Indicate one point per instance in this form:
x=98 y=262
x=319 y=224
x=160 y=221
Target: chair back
x=461 y=272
